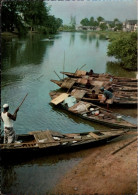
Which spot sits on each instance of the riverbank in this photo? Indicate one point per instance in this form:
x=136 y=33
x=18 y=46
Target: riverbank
x=104 y=171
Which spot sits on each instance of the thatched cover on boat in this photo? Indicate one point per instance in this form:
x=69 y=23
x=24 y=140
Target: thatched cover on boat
x=80 y=73
x=78 y=93
x=97 y=83
x=68 y=83
x=82 y=81
x=44 y=138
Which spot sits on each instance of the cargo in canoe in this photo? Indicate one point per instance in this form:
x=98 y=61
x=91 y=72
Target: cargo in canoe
x=120 y=98
x=69 y=83
x=93 y=113
x=48 y=142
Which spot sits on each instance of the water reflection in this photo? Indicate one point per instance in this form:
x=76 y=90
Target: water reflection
x=72 y=39
x=37 y=176
x=97 y=43
x=115 y=69
x=84 y=37
x=91 y=125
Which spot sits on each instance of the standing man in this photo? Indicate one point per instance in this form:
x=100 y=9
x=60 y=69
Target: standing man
x=109 y=98
x=7 y=118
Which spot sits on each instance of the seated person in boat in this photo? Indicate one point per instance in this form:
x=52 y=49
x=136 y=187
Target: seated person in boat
x=94 y=95
x=109 y=98
x=89 y=73
x=88 y=84
x=7 y=118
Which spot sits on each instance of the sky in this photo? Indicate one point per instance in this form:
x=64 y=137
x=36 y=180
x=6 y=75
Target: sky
x=108 y=9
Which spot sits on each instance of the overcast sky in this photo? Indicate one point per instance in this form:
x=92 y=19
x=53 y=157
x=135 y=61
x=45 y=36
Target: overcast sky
x=108 y=9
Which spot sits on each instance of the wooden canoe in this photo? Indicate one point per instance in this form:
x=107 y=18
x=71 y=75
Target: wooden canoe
x=104 y=75
x=120 y=98
x=84 y=109
x=69 y=83
x=48 y=141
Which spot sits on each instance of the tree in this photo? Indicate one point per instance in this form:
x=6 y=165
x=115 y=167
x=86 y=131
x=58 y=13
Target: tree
x=103 y=26
x=116 y=20
x=100 y=19
x=91 y=22
x=35 y=13
x=124 y=48
x=11 y=17
x=85 y=22
x=119 y=26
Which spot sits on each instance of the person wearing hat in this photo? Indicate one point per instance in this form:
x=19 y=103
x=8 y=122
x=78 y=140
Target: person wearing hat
x=109 y=98
x=7 y=118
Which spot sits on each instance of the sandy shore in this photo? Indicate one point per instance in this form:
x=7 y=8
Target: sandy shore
x=103 y=171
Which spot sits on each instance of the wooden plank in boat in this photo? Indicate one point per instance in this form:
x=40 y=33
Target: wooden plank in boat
x=80 y=73
x=78 y=93
x=94 y=135
x=97 y=83
x=44 y=139
x=71 y=135
x=82 y=81
x=68 y=83
x=59 y=99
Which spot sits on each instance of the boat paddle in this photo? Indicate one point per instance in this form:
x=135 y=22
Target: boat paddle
x=22 y=101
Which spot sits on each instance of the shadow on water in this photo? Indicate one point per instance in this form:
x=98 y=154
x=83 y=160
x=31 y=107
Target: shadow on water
x=78 y=120
x=72 y=38
x=115 y=69
x=37 y=176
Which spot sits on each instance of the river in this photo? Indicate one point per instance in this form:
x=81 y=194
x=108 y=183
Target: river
x=28 y=64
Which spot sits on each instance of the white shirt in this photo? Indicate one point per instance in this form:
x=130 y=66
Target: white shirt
x=7 y=121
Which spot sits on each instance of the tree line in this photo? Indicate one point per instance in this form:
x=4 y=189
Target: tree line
x=28 y=15
x=124 y=48
x=101 y=23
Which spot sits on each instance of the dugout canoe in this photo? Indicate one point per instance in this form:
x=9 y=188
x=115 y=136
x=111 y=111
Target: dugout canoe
x=49 y=141
x=80 y=73
x=119 y=99
x=69 y=83
x=93 y=113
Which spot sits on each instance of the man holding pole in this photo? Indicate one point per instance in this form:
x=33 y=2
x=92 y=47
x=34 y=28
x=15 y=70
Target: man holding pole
x=7 y=118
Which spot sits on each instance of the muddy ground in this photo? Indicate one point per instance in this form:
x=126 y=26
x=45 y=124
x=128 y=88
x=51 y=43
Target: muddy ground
x=105 y=171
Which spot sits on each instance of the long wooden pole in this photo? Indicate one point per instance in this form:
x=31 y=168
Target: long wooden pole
x=64 y=64
x=82 y=66
x=23 y=100
x=57 y=74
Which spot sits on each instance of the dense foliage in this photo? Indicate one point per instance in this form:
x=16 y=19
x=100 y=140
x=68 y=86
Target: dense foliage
x=100 y=22
x=124 y=48
x=28 y=15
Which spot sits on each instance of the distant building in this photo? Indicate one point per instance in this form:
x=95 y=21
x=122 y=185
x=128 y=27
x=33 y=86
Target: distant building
x=130 y=25
x=86 y=28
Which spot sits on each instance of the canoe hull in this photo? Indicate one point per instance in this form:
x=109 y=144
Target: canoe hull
x=17 y=155
x=113 y=125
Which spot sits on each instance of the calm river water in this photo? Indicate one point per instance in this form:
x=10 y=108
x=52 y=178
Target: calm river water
x=28 y=64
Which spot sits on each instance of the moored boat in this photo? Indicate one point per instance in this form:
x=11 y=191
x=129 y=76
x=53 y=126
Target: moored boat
x=82 y=73
x=46 y=141
x=91 y=112
x=96 y=84
x=120 y=99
